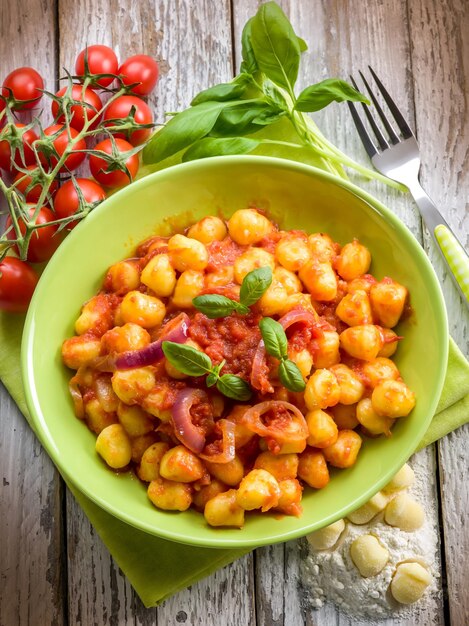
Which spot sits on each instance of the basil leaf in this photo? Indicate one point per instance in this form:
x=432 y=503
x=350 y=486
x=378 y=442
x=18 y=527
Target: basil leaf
x=221 y=92
x=275 y=45
x=254 y=285
x=211 y=146
x=274 y=337
x=303 y=45
x=249 y=63
x=182 y=130
x=290 y=376
x=186 y=359
x=245 y=118
x=321 y=94
x=234 y=387
x=213 y=305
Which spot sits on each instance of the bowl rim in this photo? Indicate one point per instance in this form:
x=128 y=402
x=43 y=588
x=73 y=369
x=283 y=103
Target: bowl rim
x=27 y=369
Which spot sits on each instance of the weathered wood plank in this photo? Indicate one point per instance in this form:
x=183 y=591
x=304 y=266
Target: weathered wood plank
x=341 y=44
x=33 y=582
x=226 y=597
x=32 y=574
x=99 y=594
x=440 y=55
x=193 y=45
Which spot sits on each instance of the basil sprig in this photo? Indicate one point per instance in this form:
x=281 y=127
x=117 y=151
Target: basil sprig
x=276 y=344
x=220 y=117
x=192 y=362
x=253 y=287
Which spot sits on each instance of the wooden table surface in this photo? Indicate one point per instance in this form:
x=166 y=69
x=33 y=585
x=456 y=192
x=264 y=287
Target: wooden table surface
x=54 y=569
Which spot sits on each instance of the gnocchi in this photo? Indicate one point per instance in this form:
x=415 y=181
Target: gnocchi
x=326 y=538
x=369 y=555
x=410 y=582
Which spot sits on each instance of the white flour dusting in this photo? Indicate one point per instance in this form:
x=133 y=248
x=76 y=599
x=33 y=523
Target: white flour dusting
x=331 y=576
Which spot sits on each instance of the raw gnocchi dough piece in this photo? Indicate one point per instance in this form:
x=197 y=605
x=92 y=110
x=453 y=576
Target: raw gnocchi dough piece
x=368 y=555
x=409 y=582
x=404 y=478
x=326 y=537
x=371 y=508
x=405 y=513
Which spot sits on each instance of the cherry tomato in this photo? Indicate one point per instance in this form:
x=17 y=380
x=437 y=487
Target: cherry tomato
x=81 y=113
x=140 y=69
x=17 y=283
x=101 y=60
x=75 y=158
x=27 y=140
x=121 y=108
x=23 y=83
x=23 y=181
x=66 y=201
x=116 y=178
x=44 y=241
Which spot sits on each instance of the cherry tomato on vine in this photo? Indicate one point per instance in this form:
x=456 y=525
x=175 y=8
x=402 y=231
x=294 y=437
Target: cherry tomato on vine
x=67 y=203
x=114 y=178
x=23 y=83
x=27 y=140
x=61 y=142
x=101 y=60
x=142 y=69
x=23 y=181
x=88 y=109
x=120 y=109
x=44 y=241
x=17 y=283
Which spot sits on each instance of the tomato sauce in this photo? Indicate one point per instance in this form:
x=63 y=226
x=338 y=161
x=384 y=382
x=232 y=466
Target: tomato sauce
x=233 y=338
x=222 y=253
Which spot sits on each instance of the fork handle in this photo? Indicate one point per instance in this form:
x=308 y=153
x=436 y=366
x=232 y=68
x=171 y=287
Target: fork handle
x=453 y=253
x=455 y=257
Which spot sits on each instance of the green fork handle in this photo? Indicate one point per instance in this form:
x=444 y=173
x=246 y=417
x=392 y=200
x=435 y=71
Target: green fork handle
x=453 y=253
x=455 y=256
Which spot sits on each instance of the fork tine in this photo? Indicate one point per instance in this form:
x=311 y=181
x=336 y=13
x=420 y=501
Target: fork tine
x=383 y=144
x=400 y=120
x=390 y=130
x=364 y=136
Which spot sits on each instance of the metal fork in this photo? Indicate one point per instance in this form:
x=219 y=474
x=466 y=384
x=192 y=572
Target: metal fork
x=397 y=155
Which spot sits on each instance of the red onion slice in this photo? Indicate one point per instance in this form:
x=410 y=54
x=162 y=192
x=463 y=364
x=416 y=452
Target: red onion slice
x=175 y=330
x=185 y=430
x=297 y=315
x=259 y=379
x=297 y=428
x=77 y=398
x=228 y=444
x=105 y=394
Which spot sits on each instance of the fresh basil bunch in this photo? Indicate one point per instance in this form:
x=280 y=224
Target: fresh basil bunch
x=220 y=118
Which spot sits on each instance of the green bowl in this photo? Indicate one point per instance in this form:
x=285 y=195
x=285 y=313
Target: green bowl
x=296 y=196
